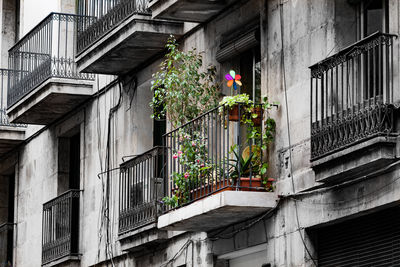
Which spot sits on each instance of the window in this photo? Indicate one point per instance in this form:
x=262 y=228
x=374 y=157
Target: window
x=373 y=17
x=68 y=163
x=250 y=70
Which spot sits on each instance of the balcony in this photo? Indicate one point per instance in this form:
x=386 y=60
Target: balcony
x=213 y=173
x=140 y=188
x=6 y=244
x=45 y=84
x=353 y=111
x=11 y=135
x=188 y=10
x=60 y=229
x=116 y=36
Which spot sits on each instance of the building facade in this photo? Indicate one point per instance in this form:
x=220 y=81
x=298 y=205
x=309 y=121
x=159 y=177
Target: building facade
x=84 y=168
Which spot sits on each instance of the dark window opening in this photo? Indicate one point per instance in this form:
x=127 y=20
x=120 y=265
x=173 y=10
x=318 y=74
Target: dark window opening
x=250 y=70
x=74 y=162
x=68 y=163
x=159 y=129
x=373 y=17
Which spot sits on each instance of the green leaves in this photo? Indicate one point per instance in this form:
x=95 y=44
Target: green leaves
x=182 y=91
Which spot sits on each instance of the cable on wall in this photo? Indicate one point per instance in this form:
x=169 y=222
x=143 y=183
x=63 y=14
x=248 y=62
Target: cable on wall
x=288 y=128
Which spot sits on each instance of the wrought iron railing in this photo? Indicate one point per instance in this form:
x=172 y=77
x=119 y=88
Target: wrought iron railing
x=60 y=227
x=48 y=50
x=101 y=16
x=6 y=244
x=140 y=188
x=352 y=95
x=213 y=153
x=5 y=74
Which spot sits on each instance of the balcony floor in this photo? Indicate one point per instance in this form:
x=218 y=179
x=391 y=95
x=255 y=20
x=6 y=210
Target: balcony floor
x=50 y=101
x=217 y=211
x=188 y=10
x=131 y=43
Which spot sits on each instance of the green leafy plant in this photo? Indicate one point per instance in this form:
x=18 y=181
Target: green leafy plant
x=250 y=163
x=182 y=90
x=242 y=166
x=230 y=101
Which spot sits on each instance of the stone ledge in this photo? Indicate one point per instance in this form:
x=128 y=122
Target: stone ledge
x=188 y=10
x=143 y=239
x=71 y=260
x=218 y=210
x=50 y=100
x=126 y=46
x=356 y=161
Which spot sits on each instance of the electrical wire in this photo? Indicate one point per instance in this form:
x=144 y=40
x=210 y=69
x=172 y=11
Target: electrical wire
x=187 y=243
x=106 y=214
x=247 y=226
x=288 y=128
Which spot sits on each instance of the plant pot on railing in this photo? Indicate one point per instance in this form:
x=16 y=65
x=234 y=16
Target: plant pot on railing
x=233 y=114
x=259 y=111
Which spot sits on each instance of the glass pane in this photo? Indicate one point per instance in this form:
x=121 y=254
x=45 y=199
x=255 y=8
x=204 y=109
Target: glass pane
x=374 y=16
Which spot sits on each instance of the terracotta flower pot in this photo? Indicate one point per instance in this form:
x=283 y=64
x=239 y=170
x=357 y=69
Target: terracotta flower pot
x=234 y=113
x=260 y=112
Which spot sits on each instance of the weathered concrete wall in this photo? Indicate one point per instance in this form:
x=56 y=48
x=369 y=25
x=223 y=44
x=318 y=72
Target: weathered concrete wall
x=8 y=28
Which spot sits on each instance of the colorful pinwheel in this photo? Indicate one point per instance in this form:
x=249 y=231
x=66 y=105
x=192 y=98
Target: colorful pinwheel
x=233 y=79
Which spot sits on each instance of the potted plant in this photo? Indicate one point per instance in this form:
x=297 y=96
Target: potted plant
x=232 y=104
x=248 y=171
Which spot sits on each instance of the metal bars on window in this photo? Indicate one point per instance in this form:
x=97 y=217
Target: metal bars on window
x=48 y=50
x=352 y=95
x=140 y=189
x=101 y=16
x=60 y=226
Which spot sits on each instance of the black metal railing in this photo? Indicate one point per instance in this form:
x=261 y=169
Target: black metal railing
x=101 y=16
x=5 y=74
x=352 y=95
x=48 y=50
x=140 y=188
x=212 y=153
x=60 y=227
x=6 y=244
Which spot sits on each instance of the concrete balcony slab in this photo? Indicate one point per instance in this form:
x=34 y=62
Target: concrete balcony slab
x=10 y=137
x=356 y=161
x=131 y=43
x=143 y=239
x=188 y=10
x=50 y=101
x=219 y=210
